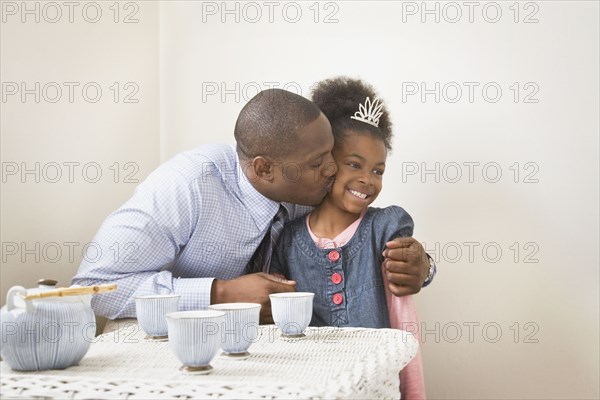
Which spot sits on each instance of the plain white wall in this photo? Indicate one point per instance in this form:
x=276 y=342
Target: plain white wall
x=496 y=327
x=49 y=216
x=547 y=310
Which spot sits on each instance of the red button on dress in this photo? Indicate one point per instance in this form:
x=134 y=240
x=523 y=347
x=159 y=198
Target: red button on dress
x=336 y=278
x=333 y=255
x=337 y=299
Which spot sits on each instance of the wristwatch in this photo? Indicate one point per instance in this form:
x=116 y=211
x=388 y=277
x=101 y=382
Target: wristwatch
x=432 y=271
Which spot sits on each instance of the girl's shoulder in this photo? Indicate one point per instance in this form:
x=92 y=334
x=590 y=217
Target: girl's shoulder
x=388 y=212
x=393 y=220
x=297 y=221
x=294 y=227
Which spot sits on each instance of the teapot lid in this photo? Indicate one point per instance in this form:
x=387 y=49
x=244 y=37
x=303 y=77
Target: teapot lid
x=47 y=282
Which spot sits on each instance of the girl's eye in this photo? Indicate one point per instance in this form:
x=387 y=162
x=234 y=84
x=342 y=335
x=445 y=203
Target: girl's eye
x=378 y=172
x=354 y=165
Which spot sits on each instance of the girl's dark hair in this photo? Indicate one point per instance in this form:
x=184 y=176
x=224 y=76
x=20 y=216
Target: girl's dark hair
x=339 y=98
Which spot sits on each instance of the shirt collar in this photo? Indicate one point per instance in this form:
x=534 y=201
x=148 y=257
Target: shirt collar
x=341 y=239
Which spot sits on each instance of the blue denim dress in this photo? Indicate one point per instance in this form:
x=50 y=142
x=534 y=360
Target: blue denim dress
x=346 y=281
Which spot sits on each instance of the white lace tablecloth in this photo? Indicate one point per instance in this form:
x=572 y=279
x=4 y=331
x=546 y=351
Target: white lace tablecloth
x=327 y=363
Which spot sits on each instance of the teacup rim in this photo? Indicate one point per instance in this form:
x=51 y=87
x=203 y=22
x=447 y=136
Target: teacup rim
x=233 y=306
x=291 y=295
x=195 y=314
x=156 y=296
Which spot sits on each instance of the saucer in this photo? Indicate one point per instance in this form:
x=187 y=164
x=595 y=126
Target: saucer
x=157 y=338
x=201 y=370
x=236 y=356
x=295 y=336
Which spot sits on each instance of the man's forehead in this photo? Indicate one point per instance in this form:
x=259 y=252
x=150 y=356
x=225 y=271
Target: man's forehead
x=316 y=150
x=313 y=141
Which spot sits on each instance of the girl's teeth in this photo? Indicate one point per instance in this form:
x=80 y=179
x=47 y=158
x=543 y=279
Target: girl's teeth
x=358 y=194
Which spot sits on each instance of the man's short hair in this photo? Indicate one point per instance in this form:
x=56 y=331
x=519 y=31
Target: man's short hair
x=268 y=124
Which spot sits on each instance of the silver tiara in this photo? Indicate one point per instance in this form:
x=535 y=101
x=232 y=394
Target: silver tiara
x=369 y=113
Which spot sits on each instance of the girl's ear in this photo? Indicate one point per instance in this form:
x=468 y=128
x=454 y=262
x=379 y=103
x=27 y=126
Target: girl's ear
x=263 y=168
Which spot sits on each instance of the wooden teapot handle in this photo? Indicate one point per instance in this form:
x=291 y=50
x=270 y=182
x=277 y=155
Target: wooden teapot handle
x=73 y=291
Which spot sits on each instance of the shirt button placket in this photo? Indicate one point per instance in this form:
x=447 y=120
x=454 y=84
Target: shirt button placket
x=336 y=277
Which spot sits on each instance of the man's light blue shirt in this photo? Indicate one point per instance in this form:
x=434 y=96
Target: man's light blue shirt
x=194 y=219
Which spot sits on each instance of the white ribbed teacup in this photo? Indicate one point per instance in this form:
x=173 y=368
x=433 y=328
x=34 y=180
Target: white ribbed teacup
x=151 y=311
x=292 y=312
x=240 y=328
x=195 y=338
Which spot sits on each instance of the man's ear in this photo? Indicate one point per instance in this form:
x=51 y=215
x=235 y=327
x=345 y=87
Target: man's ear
x=263 y=168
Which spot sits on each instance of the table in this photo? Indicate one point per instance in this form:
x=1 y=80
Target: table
x=328 y=363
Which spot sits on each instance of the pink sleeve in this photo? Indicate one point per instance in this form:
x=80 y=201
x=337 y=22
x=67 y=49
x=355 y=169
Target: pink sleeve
x=403 y=315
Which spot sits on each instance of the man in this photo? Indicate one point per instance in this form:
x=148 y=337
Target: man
x=203 y=219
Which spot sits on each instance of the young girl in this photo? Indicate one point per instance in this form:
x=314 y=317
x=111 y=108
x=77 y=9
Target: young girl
x=336 y=250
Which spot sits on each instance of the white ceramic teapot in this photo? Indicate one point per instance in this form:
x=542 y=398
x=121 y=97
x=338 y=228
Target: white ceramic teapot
x=42 y=332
